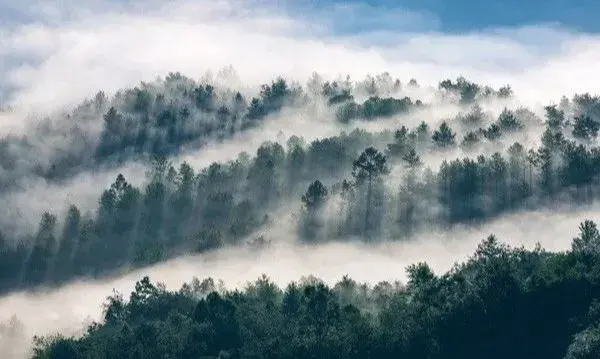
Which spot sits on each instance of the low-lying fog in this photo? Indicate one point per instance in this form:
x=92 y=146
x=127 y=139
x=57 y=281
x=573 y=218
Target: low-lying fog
x=69 y=309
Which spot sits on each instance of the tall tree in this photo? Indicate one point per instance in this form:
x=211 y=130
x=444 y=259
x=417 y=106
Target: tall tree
x=369 y=166
x=585 y=128
x=588 y=241
x=470 y=141
x=264 y=174
x=508 y=121
x=295 y=162
x=402 y=143
x=68 y=244
x=315 y=196
x=555 y=118
x=408 y=191
x=411 y=159
x=443 y=137
x=421 y=134
x=313 y=200
x=43 y=251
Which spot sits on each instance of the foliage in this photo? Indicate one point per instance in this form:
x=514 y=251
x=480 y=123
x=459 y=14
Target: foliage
x=499 y=296
x=178 y=209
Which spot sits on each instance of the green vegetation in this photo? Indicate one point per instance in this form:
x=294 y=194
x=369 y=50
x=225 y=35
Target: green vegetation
x=374 y=185
x=340 y=184
x=501 y=303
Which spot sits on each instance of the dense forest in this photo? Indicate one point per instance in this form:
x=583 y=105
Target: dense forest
x=501 y=303
x=371 y=185
x=390 y=173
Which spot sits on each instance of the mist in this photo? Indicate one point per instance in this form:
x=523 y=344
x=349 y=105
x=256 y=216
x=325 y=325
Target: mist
x=69 y=309
x=67 y=54
x=60 y=68
x=136 y=41
x=312 y=122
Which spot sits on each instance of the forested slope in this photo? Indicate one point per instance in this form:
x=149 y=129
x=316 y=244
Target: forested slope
x=501 y=303
x=375 y=185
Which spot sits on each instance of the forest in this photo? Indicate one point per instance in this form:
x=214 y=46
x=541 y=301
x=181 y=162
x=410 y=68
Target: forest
x=502 y=303
x=374 y=185
x=385 y=176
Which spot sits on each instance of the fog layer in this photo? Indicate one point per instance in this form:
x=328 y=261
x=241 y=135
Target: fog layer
x=70 y=308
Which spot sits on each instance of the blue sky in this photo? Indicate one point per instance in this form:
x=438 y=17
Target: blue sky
x=458 y=16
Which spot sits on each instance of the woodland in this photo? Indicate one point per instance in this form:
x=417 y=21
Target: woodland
x=361 y=185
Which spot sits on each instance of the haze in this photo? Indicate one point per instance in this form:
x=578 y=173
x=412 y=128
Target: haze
x=58 y=56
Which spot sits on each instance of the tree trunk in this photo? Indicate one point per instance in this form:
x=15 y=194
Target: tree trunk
x=368 y=211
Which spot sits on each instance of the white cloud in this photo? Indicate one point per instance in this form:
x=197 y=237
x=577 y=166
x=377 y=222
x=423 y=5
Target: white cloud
x=69 y=54
x=107 y=45
x=101 y=45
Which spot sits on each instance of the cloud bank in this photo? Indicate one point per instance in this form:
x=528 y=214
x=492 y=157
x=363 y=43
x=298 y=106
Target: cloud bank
x=55 y=56
x=60 y=54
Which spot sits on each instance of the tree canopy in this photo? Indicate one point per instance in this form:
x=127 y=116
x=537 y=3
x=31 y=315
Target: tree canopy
x=391 y=171
x=543 y=304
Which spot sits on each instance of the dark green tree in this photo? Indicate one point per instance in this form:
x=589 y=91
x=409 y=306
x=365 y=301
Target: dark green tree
x=585 y=128
x=370 y=166
x=315 y=197
x=443 y=137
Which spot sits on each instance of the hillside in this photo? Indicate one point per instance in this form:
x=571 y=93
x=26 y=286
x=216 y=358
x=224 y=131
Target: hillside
x=375 y=161
x=374 y=185
x=501 y=302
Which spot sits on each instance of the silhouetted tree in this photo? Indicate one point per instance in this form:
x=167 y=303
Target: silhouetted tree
x=443 y=137
x=369 y=166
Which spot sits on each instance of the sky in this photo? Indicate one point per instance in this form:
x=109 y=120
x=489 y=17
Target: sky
x=460 y=16
x=467 y=15
x=449 y=16
x=54 y=53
